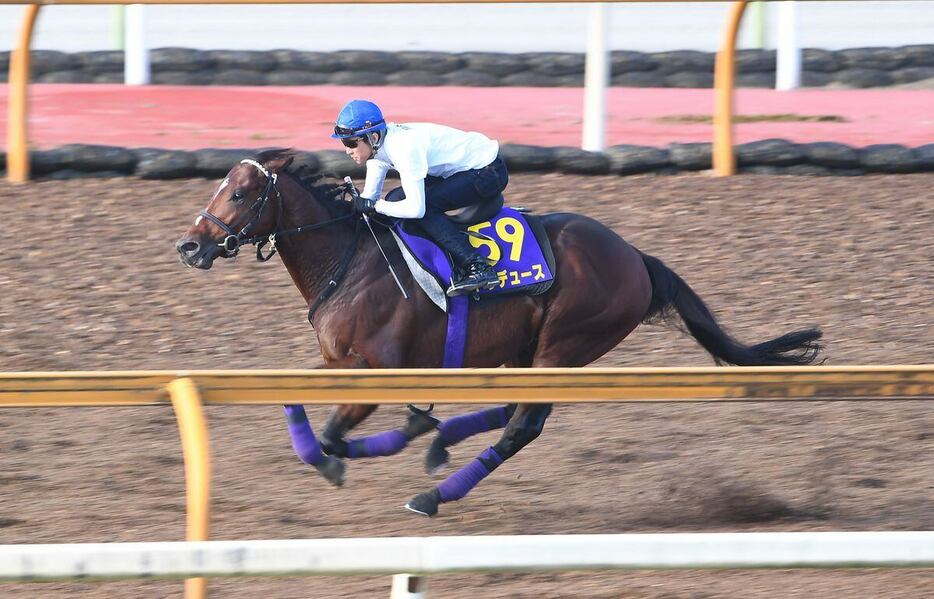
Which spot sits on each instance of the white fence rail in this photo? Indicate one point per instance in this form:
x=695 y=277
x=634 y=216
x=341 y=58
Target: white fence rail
x=438 y=555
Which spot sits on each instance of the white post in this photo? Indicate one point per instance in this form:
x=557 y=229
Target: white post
x=596 y=78
x=135 y=56
x=788 y=54
x=407 y=586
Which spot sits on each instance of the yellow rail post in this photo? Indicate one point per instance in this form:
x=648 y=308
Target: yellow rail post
x=17 y=159
x=724 y=158
x=194 y=434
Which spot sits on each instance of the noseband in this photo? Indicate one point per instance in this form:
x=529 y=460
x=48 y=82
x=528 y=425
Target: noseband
x=231 y=244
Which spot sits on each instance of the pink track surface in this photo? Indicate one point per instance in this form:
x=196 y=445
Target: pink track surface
x=301 y=117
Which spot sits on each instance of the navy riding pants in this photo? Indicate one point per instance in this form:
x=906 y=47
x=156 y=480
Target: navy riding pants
x=457 y=191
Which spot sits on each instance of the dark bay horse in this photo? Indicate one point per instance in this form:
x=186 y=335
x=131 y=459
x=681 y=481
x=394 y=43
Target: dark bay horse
x=604 y=288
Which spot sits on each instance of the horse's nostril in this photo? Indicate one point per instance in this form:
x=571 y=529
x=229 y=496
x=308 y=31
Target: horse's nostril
x=188 y=248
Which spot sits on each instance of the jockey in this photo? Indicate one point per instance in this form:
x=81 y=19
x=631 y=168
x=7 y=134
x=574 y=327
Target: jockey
x=441 y=169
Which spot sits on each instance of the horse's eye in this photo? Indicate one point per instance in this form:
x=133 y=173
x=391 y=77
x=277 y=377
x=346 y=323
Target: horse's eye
x=237 y=196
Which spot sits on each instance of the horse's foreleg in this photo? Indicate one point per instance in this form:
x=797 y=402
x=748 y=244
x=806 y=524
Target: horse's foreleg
x=456 y=429
x=389 y=442
x=308 y=449
x=306 y=446
x=342 y=420
x=524 y=427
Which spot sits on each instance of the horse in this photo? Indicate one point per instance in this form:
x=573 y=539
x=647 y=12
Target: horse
x=603 y=289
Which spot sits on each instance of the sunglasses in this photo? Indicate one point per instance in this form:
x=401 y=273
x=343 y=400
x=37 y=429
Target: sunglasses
x=351 y=142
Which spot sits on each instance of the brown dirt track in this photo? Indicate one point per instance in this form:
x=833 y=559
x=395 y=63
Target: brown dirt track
x=90 y=281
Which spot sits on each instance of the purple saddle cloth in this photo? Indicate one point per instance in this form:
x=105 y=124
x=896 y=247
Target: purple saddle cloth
x=516 y=246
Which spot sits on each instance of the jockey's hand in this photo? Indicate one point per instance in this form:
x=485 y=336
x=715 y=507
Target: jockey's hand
x=362 y=205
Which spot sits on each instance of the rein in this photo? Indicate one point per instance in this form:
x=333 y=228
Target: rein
x=260 y=241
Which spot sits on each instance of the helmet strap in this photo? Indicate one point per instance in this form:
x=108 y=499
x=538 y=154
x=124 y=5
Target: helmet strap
x=374 y=142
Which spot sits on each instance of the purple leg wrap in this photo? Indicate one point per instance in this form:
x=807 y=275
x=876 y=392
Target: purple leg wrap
x=455 y=430
x=303 y=438
x=461 y=482
x=388 y=443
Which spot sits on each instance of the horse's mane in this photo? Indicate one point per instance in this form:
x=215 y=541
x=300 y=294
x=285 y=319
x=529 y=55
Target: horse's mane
x=328 y=193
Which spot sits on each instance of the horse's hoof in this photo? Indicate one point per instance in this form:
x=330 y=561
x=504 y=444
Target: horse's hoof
x=332 y=469
x=418 y=423
x=437 y=457
x=425 y=504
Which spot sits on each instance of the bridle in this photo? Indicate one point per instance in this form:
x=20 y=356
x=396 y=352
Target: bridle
x=231 y=244
x=233 y=241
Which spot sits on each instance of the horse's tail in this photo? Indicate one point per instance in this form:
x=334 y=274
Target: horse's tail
x=670 y=293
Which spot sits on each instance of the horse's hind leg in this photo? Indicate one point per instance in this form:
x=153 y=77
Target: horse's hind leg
x=524 y=427
x=456 y=429
x=308 y=449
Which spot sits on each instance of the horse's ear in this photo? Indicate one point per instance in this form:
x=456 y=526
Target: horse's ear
x=280 y=162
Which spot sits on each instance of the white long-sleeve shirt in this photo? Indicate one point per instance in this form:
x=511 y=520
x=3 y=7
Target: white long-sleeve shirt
x=417 y=150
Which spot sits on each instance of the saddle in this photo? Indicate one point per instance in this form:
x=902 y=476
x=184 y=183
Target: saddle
x=513 y=240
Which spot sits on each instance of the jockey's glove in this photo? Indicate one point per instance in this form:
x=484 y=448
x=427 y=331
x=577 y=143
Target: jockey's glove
x=362 y=205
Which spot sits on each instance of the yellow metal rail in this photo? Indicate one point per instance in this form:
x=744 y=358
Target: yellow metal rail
x=18 y=134
x=189 y=390
x=194 y=434
x=724 y=157
x=479 y=386
x=17 y=159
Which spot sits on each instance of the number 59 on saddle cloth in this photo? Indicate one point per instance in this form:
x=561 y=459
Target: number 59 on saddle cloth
x=514 y=243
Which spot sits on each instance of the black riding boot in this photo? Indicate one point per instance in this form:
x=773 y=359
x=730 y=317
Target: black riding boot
x=472 y=271
x=476 y=274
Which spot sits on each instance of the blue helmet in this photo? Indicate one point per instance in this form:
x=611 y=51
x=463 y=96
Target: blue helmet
x=360 y=118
